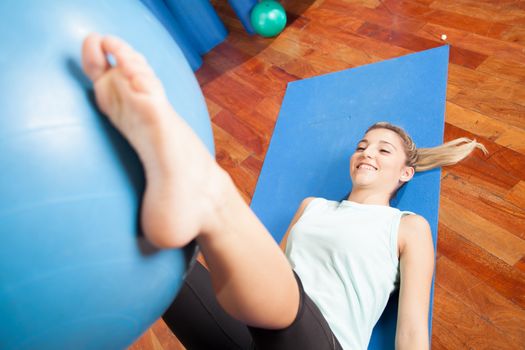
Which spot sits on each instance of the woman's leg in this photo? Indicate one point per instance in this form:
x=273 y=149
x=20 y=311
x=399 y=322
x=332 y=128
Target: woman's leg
x=200 y=323
x=188 y=195
x=197 y=319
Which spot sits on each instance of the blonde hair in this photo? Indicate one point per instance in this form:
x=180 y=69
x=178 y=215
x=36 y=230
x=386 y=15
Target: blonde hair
x=429 y=158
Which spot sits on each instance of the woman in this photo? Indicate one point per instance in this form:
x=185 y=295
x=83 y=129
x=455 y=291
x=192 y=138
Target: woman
x=251 y=296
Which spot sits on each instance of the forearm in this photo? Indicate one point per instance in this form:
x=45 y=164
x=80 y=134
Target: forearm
x=413 y=341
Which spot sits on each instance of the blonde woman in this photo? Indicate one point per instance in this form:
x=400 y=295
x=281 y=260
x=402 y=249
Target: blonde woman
x=342 y=259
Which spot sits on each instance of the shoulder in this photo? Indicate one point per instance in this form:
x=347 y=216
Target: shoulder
x=414 y=221
x=304 y=204
x=306 y=201
x=302 y=207
x=296 y=217
x=414 y=230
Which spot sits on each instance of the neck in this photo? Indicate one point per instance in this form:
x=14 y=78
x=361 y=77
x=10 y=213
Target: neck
x=364 y=196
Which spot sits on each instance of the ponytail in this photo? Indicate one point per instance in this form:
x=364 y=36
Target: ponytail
x=423 y=159
x=446 y=154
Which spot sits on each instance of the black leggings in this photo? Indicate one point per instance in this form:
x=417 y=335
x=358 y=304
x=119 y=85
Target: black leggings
x=200 y=323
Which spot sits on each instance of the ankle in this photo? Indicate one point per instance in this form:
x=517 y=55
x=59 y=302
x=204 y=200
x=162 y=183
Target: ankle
x=220 y=194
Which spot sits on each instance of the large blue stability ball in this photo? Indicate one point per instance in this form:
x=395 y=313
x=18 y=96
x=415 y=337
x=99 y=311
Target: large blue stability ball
x=75 y=272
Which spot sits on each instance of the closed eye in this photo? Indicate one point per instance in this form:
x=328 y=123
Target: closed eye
x=384 y=150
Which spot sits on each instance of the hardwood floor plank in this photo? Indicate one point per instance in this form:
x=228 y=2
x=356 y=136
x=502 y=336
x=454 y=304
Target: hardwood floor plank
x=219 y=91
x=474 y=122
x=225 y=143
x=246 y=136
x=476 y=43
x=344 y=53
x=300 y=8
x=453 y=278
x=501 y=158
x=493 y=208
x=148 y=341
x=407 y=9
x=466 y=58
x=422 y=2
x=507 y=12
x=143 y=343
x=459 y=250
x=261 y=124
x=517 y=195
x=412 y=42
x=269 y=107
x=442 y=338
x=469 y=79
x=445 y=18
x=343 y=19
x=303 y=69
x=253 y=165
x=502 y=314
x=481 y=125
x=492 y=106
x=452 y=90
x=506 y=280
x=213 y=108
x=506 y=69
x=355 y=11
x=484 y=170
x=166 y=337
x=242 y=178
x=460 y=319
x=520 y=265
x=490 y=306
x=404 y=40
x=495 y=240
x=226 y=57
x=367 y=50
x=514 y=35
x=206 y=73
x=267 y=79
x=326 y=63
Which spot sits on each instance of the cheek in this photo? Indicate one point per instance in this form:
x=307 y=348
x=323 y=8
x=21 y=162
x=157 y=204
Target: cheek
x=395 y=165
x=352 y=160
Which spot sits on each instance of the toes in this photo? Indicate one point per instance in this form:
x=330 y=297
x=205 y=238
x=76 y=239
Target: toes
x=132 y=64
x=124 y=54
x=145 y=83
x=94 y=61
x=113 y=45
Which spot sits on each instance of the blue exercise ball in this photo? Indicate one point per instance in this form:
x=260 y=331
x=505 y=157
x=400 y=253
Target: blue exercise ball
x=75 y=270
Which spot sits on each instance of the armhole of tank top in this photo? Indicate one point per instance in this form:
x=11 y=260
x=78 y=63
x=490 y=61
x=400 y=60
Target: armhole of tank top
x=307 y=209
x=394 y=236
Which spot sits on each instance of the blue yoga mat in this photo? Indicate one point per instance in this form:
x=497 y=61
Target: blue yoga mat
x=320 y=122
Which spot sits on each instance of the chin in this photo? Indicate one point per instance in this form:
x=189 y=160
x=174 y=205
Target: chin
x=363 y=182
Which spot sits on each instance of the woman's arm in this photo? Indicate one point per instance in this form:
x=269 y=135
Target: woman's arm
x=296 y=217
x=416 y=269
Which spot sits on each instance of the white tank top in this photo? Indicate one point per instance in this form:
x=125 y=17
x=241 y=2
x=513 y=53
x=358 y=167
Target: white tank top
x=346 y=256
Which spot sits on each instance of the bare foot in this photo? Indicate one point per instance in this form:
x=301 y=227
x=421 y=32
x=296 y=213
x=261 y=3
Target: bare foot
x=183 y=181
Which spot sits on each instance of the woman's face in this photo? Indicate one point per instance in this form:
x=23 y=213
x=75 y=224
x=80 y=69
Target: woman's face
x=379 y=162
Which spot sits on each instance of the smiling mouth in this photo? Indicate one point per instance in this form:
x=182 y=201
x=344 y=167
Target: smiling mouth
x=366 y=166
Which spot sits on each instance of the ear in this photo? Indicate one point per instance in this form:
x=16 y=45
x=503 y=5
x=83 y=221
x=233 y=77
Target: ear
x=407 y=173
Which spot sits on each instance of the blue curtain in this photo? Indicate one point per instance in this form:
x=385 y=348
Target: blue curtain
x=194 y=24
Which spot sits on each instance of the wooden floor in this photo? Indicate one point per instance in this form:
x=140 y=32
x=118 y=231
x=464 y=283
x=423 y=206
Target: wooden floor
x=479 y=298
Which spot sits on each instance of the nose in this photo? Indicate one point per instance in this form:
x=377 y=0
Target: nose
x=367 y=153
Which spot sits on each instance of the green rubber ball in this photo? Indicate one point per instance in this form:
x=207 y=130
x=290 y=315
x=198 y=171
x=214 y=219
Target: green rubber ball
x=268 y=18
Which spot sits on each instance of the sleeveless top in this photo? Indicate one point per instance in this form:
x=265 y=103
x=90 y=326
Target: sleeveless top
x=347 y=258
